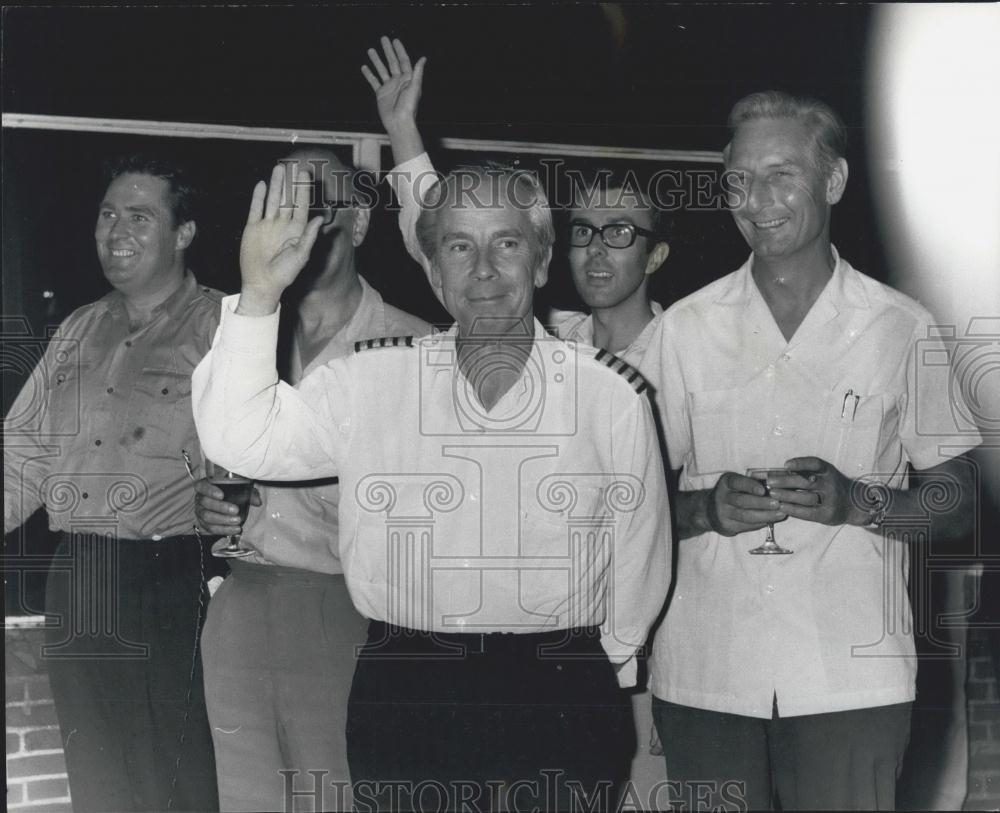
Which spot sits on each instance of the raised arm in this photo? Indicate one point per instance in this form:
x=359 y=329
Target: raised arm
x=397 y=94
x=247 y=420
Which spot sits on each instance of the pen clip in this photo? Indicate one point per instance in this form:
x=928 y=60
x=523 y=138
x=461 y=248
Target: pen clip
x=843 y=406
x=188 y=464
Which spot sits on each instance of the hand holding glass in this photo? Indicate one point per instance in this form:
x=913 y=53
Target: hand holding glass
x=769 y=546
x=236 y=490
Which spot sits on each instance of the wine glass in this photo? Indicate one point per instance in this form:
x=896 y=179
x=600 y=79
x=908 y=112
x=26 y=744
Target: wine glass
x=769 y=546
x=237 y=490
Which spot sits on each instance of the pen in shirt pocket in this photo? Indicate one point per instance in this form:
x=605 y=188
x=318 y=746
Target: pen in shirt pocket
x=847 y=400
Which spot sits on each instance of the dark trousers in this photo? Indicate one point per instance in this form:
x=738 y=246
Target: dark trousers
x=846 y=760
x=523 y=721
x=126 y=679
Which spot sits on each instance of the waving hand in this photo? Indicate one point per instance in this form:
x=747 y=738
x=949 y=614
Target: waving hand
x=276 y=241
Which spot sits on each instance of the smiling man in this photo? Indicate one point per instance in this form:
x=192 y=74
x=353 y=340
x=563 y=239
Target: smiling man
x=503 y=509
x=103 y=457
x=801 y=662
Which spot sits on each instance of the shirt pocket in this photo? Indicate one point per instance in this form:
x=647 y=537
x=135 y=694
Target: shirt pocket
x=159 y=421
x=714 y=417
x=853 y=435
x=71 y=377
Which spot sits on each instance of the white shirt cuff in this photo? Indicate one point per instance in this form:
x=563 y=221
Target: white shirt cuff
x=627 y=673
x=419 y=173
x=247 y=335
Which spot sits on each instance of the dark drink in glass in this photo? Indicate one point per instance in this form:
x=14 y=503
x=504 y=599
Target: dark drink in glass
x=237 y=490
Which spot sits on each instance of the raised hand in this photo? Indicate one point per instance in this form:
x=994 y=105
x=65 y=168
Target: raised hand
x=276 y=241
x=397 y=88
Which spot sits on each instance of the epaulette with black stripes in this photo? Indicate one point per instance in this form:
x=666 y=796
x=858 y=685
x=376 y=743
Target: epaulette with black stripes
x=624 y=369
x=385 y=341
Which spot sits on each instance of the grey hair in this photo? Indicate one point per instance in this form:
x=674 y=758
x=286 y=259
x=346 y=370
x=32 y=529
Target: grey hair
x=826 y=128
x=465 y=184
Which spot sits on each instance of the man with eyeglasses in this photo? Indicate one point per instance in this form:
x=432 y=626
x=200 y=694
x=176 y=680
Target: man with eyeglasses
x=617 y=237
x=279 y=643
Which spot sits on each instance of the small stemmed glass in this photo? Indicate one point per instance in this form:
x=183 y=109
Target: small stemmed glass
x=237 y=490
x=769 y=546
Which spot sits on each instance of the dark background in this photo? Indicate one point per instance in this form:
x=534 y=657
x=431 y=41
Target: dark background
x=658 y=76
x=635 y=75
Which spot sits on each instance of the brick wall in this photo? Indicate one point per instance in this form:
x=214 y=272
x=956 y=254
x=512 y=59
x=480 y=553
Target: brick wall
x=36 y=771
x=984 y=727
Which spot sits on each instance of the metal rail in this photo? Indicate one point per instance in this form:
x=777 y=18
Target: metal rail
x=367 y=147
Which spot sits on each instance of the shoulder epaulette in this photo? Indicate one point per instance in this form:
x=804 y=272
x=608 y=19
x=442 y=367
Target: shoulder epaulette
x=385 y=341
x=625 y=370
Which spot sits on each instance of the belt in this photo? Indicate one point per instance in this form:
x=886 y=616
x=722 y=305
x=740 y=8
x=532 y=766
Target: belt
x=269 y=574
x=394 y=638
x=166 y=540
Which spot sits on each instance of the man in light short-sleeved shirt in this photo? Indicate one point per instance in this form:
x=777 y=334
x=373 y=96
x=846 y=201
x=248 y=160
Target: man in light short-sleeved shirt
x=791 y=674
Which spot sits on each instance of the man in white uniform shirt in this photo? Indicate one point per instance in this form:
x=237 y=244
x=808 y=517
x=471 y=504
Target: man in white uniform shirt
x=505 y=528
x=791 y=676
x=281 y=634
x=617 y=241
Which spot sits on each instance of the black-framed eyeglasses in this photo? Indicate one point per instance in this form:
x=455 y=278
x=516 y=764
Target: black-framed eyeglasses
x=613 y=235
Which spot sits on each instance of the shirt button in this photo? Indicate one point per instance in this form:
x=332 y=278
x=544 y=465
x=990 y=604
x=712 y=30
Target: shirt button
x=778 y=430
x=110 y=390
x=785 y=357
x=770 y=588
x=164 y=391
x=97 y=443
x=85 y=495
x=128 y=343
